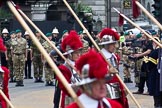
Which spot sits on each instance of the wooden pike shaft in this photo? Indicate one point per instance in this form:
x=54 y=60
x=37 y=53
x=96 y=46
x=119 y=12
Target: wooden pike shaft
x=6 y=99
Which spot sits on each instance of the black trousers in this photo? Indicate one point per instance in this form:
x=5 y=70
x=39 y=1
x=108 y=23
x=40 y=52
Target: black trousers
x=158 y=100
x=143 y=77
x=4 y=62
x=28 y=68
x=56 y=100
x=142 y=82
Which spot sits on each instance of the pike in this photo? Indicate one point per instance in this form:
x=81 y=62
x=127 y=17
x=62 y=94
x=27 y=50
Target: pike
x=138 y=27
x=42 y=34
x=6 y=99
x=45 y=54
x=112 y=69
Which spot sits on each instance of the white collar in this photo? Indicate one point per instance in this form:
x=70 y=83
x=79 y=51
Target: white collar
x=71 y=62
x=89 y=102
x=106 y=53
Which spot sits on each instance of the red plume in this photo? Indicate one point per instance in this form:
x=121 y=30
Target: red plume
x=98 y=66
x=108 y=31
x=72 y=40
x=136 y=10
x=2 y=47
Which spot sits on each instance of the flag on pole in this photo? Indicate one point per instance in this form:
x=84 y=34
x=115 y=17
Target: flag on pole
x=135 y=9
x=17 y=7
x=121 y=20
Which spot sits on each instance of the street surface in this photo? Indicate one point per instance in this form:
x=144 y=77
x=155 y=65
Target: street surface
x=37 y=95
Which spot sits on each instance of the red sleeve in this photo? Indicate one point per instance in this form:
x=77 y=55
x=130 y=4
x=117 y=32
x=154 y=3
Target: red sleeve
x=67 y=74
x=72 y=105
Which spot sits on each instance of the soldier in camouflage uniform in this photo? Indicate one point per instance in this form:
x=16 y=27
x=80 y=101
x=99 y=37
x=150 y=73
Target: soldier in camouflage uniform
x=127 y=64
x=37 y=60
x=18 y=48
x=49 y=74
x=9 y=56
x=126 y=51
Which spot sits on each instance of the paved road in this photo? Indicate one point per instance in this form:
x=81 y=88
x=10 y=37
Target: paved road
x=37 y=95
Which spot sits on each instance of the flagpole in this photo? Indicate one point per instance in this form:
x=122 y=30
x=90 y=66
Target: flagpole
x=138 y=27
x=148 y=14
x=45 y=54
x=42 y=34
x=97 y=47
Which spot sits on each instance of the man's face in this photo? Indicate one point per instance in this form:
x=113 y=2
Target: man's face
x=55 y=34
x=50 y=37
x=27 y=37
x=98 y=89
x=13 y=35
x=81 y=36
x=111 y=47
x=38 y=35
x=19 y=34
x=76 y=55
x=5 y=34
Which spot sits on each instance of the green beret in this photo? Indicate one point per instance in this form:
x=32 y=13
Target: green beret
x=64 y=32
x=18 y=31
x=48 y=34
x=139 y=35
x=80 y=32
x=153 y=33
x=12 y=32
x=126 y=33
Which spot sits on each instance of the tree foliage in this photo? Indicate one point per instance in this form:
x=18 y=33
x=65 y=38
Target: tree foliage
x=5 y=14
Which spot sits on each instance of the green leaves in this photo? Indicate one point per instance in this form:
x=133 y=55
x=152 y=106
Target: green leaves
x=5 y=14
x=83 y=8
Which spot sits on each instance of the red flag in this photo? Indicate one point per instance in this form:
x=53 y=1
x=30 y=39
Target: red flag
x=1 y=3
x=17 y=7
x=136 y=10
x=121 y=20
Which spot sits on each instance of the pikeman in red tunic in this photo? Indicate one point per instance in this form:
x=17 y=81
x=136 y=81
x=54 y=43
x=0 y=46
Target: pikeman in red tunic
x=94 y=73
x=71 y=45
x=116 y=90
x=4 y=78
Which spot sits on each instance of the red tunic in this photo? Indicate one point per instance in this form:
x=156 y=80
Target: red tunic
x=5 y=87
